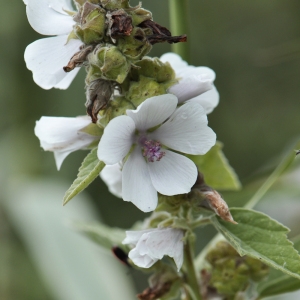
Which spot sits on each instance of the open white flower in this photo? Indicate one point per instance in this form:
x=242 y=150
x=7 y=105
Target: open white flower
x=62 y=135
x=152 y=244
x=195 y=83
x=151 y=167
x=112 y=176
x=47 y=57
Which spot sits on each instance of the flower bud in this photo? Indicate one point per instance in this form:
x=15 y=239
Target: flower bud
x=136 y=45
x=115 y=4
x=107 y=63
x=140 y=15
x=91 y=27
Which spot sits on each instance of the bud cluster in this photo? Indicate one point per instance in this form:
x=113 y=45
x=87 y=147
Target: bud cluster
x=115 y=38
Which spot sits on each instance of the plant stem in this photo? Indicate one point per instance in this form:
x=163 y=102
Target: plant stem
x=191 y=276
x=179 y=25
x=284 y=164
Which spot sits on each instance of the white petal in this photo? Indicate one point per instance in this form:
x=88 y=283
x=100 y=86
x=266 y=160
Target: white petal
x=205 y=73
x=61 y=5
x=67 y=80
x=208 y=100
x=112 y=176
x=60 y=157
x=137 y=186
x=142 y=261
x=132 y=237
x=117 y=140
x=173 y=174
x=59 y=132
x=186 y=130
x=190 y=87
x=175 y=60
x=48 y=18
x=153 y=111
x=47 y=57
x=167 y=241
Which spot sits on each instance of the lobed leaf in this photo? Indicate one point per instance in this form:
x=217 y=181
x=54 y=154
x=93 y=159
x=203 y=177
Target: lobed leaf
x=89 y=170
x=216 y=170
x=278 y=282
x=261 y=237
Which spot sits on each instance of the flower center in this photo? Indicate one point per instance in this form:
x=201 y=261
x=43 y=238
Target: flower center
x=152 y=150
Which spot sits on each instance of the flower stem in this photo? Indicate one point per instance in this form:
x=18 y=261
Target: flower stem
x=190 y=273
x=179 y=25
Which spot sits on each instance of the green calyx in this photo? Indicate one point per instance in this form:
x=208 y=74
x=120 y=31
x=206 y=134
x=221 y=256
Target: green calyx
x=91 y=26
x=231 y=273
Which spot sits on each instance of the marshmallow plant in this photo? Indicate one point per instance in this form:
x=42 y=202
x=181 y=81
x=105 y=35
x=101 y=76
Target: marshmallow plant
x=149 y=140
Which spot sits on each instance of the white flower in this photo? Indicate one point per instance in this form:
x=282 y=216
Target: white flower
x=47 y=57
x=152 y=244
x=151 y=167
x=195 y=83
x=63 y=136
x=112 y=176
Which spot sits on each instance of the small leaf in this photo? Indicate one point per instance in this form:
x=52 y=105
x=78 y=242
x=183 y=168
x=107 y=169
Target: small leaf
x=101 y=234
x=260 y=237
x=217 y=172
x=89 y=170
x=278 y=282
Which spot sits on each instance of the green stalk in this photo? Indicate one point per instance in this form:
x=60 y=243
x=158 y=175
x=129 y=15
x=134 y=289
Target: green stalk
x=179 y=21
x=190 y=273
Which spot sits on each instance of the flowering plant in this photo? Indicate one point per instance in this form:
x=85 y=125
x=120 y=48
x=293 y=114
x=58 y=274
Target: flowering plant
x=147 y=129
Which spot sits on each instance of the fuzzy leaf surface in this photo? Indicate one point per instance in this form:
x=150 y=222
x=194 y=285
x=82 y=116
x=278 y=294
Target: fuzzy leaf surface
x=261 y=237
x=89 y=170
x=278 y=282
x=216 y=169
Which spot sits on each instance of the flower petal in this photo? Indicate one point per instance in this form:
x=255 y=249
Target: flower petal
x=117 y=140
x=186 y=130
x=48 y=18
x=173 y=174
x=112 y=176
x=208 y=100
x=67 y=80
x=166 y=241
x=190 y=87
x=132 y=237
x=59 y=157
x=47 y=57
x=204 y=72
x=137 y=186
x=142 y=261
x=153 y=111
x=175 y=60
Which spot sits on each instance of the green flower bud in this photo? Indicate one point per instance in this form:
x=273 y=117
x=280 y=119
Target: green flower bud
x=91 y=28
x=134 y=46
x=115 y=4
x=140 y=15
x=156 y=69
x=107 y=63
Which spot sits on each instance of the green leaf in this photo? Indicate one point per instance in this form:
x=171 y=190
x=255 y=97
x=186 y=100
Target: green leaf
x=89 y=170
x=278 y=282
x=217 y=172
x=101 y=234
x=260 y=237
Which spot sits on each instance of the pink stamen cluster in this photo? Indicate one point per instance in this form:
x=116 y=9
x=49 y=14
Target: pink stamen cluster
x=152 y=150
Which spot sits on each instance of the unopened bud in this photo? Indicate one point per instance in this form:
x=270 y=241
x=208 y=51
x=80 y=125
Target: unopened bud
x=115 y=4
x=108 y=63
x=98 y=93
x=91 y=26
x=140 y=15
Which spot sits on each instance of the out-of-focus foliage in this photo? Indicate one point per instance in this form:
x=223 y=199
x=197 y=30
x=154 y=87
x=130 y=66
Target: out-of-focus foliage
x=254 y=48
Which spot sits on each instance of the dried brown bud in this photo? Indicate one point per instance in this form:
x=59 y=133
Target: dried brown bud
x=120 y=24
x=156 y=292
x=98 y=93
x=218 y=205
x=78 y=59
x=161 y=34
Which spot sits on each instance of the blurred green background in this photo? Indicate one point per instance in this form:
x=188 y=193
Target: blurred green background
x=254 y=48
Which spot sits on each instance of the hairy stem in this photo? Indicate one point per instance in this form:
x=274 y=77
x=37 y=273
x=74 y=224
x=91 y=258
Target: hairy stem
x=190 y=273
x=180 y=25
